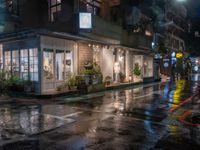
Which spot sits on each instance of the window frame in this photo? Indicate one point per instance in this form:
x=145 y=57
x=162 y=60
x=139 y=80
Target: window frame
x=56 y=6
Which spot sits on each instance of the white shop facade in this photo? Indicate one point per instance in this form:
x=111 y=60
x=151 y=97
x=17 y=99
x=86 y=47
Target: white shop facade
x=49 y=59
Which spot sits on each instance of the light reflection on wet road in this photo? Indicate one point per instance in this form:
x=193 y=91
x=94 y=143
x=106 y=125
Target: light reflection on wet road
x=125 y=119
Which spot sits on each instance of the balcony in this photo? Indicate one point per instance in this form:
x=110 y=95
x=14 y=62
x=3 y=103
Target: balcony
x=137 y=40
x=104 y=28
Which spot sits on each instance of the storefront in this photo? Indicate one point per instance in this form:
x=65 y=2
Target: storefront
x=45 y=60
x=48 y=60
x=58 y=61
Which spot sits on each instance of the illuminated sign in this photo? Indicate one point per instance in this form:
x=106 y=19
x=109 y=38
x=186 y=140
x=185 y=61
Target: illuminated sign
x=179 y=55
x=166 y=64
x=85 y=20
x=173 y=54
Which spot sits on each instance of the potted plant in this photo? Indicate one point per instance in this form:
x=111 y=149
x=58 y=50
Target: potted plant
x=136 y=72
x=88 y=65
x=71 y=83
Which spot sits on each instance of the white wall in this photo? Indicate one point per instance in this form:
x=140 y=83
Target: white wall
x=107 y=63
x=129 y=64
x=60 y=44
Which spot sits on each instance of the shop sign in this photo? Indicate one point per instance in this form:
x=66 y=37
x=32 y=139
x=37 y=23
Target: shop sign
x=85 y=20
x=173 y=54
x=157 y=56
x=166 y=64
x=179 y=55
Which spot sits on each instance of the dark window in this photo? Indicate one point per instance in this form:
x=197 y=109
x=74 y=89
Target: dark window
x=12 y=6
x=92 y=6
x=9 y=5
x=54 y=9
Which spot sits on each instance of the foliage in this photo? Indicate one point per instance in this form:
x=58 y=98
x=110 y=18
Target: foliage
x=2 y=81
x=72 y=81
x=88 y=72
x=14 y=83
x=11 y=83
x=92 y=69
x=137 y=70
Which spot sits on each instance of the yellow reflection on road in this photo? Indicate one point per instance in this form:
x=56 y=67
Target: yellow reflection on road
x=180 y=84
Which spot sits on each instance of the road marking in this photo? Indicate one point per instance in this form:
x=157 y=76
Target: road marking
x=73 y=114
x=61 y=118
x=85 y=109
x=182 y=103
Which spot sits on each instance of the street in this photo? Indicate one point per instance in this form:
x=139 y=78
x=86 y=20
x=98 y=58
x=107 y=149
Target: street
x=152 y=116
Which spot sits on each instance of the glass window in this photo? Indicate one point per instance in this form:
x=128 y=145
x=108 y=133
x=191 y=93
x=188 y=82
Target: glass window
x=68 y=63
x=59 y=65
x=1 y=56
x=48 y=67
x=33 y=58
x=8 y=62
x=148 y=67
x=54 y=9
x=15 y=62
x=24 y=66
x=9 y=5
x=92 y=6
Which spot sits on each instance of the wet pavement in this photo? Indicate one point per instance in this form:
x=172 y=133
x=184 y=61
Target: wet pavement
x=153 y=116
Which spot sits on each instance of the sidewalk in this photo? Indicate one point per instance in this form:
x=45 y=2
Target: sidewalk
x=78 y=93
x=4 y=99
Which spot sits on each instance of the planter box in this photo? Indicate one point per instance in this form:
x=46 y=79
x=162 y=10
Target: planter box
x=148 y=79
x=95 y=88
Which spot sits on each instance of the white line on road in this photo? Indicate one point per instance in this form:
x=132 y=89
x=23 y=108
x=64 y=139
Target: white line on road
x=85 y=109
x=73 y=114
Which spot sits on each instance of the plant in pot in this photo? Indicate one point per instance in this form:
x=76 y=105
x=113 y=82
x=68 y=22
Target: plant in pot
x=137 y=71
x=14 y=83
x=71 y=83
x=88 y=65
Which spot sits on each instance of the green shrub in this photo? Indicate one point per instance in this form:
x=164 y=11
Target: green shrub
x=72 y=81
x=137 y=70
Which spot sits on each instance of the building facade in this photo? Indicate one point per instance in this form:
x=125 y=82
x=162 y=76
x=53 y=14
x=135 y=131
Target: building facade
x=59 y=38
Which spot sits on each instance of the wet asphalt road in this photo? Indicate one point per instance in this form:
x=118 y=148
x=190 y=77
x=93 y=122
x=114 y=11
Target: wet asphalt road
x=154 y=116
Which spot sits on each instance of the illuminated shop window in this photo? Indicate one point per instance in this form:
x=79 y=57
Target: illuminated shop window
x=24 y=65
x=8 y=65
x=15 y=62
x=48 y=64
x=148 y=67
x=68 y=63
x=59 y=65
x=54 y=9
x=33 y=60
x=1 y=56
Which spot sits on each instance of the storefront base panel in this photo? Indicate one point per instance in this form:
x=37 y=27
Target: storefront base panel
x=148 y=79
